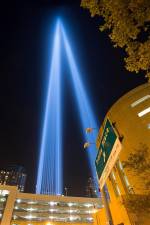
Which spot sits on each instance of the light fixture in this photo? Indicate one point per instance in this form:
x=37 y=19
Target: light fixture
x=2 y=199
x=90 y=219
x=53 y=203
x=70 y=204
x=88 y=205
x=144 y=112
x=140 y=101
x=71 y=211
x=30 y=209
x=72 y=218
x=31 y=203
x=29 y=217
x=51 y=217
x=18 y=200
x=51 y=210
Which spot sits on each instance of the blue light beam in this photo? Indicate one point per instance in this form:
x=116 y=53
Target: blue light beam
x=86 y=114
x=49 y=178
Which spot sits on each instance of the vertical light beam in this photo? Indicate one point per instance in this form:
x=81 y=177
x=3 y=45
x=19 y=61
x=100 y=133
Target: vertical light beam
x=86 y=114
x=49 y=178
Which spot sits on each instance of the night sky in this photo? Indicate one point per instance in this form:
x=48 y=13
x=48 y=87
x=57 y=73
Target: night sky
x=26 y=35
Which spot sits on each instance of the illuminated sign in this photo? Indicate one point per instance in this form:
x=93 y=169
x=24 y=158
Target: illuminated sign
x=109 y=149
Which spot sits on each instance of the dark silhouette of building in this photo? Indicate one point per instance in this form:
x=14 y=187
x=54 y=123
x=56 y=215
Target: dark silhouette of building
x=91 y=190
x=13 y=175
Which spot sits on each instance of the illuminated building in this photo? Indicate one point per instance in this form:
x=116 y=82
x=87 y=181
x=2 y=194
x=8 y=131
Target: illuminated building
x=91 y=190
x=13 y=175
x=18 y=208
x=130 y=118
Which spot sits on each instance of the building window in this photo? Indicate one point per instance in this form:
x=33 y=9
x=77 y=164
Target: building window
x=144 y=112
x=148 y=126
x=140 y=101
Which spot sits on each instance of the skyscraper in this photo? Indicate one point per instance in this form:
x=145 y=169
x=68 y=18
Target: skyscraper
x=91 y=188
x=13 y=175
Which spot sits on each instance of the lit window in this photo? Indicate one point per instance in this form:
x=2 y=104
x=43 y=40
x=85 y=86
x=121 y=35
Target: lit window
x=140 y=100
x=148 y=126
x=144 y=112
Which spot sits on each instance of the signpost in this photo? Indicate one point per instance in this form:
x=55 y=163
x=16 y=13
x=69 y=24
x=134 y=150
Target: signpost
x=110 y=147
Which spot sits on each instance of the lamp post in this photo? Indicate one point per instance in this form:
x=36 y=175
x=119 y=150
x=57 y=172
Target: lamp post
x=103 y=190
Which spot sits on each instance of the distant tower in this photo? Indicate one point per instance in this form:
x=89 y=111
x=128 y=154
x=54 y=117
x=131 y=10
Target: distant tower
x=91 y=190
x=13 y=175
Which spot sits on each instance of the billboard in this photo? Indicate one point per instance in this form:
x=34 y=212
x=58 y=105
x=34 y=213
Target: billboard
x=109 y=149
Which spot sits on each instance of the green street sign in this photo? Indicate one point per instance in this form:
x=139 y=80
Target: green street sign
x=109 y=149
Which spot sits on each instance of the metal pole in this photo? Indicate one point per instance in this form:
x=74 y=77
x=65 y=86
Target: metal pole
x=106 y=206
